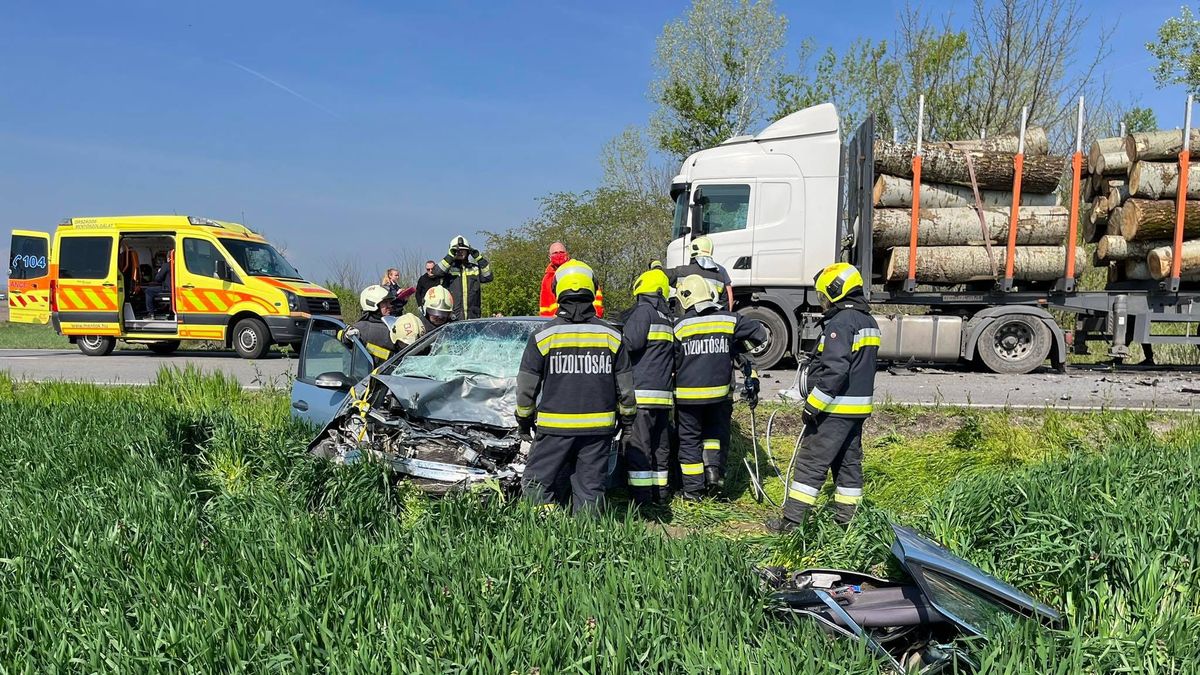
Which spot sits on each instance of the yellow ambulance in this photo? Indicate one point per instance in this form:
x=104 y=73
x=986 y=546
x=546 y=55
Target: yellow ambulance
x=159 y=280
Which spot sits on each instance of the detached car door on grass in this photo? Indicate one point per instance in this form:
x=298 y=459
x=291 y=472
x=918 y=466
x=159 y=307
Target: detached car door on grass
x=327 y=370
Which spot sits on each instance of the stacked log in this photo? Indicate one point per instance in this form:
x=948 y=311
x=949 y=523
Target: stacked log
x=1131 y=210
x=963 y=224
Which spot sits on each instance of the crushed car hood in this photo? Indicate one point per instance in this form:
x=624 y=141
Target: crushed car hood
x=472 y=399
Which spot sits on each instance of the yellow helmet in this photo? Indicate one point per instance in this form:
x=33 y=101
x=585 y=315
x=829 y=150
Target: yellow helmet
x=838 y=280
x=702 y=247
x=404 y=329
x=652 y=281
x=693 y=290
x=371 y=297
x=573 y=276
x=438 y=301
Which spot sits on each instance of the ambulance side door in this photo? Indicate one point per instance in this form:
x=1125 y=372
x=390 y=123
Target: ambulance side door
x=29 y=277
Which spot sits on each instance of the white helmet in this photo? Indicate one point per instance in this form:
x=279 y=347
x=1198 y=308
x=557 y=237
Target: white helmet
x=404 y=329
x=371 y=297
x=439 y=304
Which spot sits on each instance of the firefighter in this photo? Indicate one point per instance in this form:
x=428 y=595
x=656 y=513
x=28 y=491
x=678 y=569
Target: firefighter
x=464 y=271
x=404 y=330
x=708 y=341
x=651 y=344
x=437 y=308
x=842 y=380
x=581 y=367
x=370 y=329
x=702 y=264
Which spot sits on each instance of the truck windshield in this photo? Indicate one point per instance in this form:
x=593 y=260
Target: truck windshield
x=260 y=259
x=681 y=211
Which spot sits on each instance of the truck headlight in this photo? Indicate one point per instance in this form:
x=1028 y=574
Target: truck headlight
x=292 y=300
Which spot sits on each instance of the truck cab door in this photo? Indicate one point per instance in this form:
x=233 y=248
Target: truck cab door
x=328 y=368
x=724 y=211
x=29 y=277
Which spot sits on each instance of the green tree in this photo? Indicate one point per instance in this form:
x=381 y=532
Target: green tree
x=615 y=231
x=1139 y=119
x=1178 y=52
x=714 y=68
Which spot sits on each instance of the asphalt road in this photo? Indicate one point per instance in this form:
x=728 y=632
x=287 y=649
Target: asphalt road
x=1082 y=387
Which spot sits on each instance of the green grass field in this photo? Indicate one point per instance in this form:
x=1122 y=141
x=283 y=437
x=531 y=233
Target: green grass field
x=30 y=336
x=182 y=527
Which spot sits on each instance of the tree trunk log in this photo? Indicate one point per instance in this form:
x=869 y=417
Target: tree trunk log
x=1116 y=218
x=993 y=170
x=1138 y=270
x=893 y=191
x=1115 y=247
x=1036 y=143
x=1159 y=260
x=1107 y=157
x=1160 y=180
x=1143 y=219
x=1093 y=220
x=1118 y=192
x=1036 y=225
x=960 y=264
x=1151 y=146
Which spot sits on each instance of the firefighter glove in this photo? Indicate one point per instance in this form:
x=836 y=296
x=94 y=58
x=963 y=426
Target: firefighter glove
x=627 y=426
x=750 y=389
x=525 y=428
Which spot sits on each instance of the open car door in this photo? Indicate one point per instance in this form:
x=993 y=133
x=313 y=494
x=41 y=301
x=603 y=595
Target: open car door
x=29 y=277
x=327 y=370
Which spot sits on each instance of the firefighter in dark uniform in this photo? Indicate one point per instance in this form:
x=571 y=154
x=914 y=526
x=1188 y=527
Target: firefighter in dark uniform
x=581 y=367
x=841 y=378
x=650 y=340
x=370 y=329
x=708 y=341
x=702 y=264
x=463 y=271
x=437 y=308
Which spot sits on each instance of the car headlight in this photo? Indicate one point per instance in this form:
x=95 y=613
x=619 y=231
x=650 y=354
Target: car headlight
x=292 y=300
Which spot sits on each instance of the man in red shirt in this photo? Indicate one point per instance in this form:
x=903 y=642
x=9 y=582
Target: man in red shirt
x=548 y=301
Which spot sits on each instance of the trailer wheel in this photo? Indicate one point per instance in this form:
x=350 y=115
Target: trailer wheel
x=1013 y=345
x=96 y=345
x=771 y=352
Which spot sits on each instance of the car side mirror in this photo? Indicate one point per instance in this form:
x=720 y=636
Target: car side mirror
x=334 y=380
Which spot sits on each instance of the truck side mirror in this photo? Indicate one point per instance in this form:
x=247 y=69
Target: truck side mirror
x=697 y=214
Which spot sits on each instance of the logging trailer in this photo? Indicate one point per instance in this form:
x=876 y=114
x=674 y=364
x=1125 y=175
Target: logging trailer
x=781 y=205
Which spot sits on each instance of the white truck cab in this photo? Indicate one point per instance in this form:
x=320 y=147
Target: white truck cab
x=769 y=202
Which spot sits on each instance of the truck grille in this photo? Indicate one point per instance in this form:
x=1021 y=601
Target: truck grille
x=328 y=306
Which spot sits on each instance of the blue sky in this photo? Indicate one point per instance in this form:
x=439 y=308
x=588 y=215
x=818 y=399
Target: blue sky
x=361 y=128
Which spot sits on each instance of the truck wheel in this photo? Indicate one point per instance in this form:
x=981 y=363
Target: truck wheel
x=772 y=351
x=165 y=347
x=96 y=345
x=1013 y=345
x=251 y=338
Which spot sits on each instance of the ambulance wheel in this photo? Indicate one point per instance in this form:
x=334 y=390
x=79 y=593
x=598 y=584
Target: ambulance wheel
x=771 y=352
x=165 y=347
x=251 y=338
x=96 y=345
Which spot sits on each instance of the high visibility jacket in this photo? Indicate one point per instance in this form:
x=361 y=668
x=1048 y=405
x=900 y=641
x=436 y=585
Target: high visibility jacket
x=548 y=300
x=650 y=338
x=375 y=337
x=842 y=372
x=582 y=369
x=464 y=279
x=707 y=340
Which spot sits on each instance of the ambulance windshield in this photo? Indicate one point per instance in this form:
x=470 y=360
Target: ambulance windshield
x=260 y=259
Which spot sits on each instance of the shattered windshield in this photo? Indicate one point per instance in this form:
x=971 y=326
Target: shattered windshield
x=490 y=348
x=260 y=259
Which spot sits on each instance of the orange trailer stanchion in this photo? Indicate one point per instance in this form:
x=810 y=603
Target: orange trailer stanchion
x=1181 y=200
x=1067 y=285
x=910 y=284
x=1018 y=169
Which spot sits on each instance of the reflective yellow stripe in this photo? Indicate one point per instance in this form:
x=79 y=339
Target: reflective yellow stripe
x=524 y=410
x=705 y=328
x=712 y=444
x=806 y=494
x=551 y=308
x=692 y=469
x=654 y=397
x=627 y=411
x=576 y=420
x=845 y=495
x=661 y=335
x=867 y=337
x=378 y=352
x=839 y=405
x=845 y=499
x=693 y=393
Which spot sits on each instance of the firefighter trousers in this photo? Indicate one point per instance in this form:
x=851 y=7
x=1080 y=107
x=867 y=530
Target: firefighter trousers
x=834 y=445
x=648 y=455
x=552 y=456
x=703 y=441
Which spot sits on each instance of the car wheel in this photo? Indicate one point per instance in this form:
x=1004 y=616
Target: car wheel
x=1013 y=345
x=96 y=345
x=251 y=338
x=770 y=353
x=165 y=347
